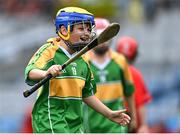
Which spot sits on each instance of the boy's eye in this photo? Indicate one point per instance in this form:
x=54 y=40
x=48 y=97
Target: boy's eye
x=82 y=29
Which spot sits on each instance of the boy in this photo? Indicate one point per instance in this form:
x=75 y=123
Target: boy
x=58 y=108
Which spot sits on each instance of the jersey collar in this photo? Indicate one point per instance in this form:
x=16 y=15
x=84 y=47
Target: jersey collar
x=66 y=52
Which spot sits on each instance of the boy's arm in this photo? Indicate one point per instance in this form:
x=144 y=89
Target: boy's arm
x=37 y=74
x=116 y=116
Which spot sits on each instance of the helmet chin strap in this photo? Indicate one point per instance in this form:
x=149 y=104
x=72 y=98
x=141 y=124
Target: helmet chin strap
x=65 y=37
x=76 y=46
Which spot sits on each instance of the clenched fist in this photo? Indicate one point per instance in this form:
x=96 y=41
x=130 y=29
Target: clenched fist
x=55 y=70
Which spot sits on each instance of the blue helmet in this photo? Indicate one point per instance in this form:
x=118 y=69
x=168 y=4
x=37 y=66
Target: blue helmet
x=70 y=15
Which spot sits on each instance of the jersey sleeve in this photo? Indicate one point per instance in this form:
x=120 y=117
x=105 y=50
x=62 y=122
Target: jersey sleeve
x=90 y=85
x=39 y=60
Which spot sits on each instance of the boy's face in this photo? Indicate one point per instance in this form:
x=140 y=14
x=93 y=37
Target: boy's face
x=80 y=33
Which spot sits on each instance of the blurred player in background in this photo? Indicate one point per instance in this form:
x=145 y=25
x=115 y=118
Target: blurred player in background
x=114 y=84
x=58 y=108
x=128 y=46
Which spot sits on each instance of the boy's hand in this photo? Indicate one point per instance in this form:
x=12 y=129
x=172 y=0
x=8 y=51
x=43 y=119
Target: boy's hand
x=120 y=117
x=55 y=70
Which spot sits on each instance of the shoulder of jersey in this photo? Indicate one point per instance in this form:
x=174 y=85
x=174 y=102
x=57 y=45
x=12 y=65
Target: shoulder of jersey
x=87 y=56
x=116 y=56
x=53 y=40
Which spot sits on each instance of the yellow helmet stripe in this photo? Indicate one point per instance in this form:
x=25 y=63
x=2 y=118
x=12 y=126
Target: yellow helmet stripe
x=74 y=9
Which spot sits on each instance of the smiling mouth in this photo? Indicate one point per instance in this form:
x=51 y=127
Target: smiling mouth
x=83 y=39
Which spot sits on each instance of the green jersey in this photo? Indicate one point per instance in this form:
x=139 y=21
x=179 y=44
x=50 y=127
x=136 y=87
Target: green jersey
x=58 y=108
x=113 y=81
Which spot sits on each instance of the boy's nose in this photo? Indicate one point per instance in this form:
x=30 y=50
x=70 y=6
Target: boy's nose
x=87 y=33
x=87 y=30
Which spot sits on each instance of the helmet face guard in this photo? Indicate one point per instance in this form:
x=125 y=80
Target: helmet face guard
x=70 y=16
x=76 y=46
